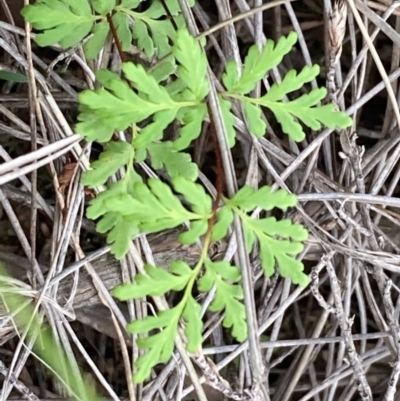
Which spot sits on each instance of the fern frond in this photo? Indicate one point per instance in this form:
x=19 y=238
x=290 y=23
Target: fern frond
x=114 y=156
x=228 y=295
x=306 y=108
x=156 y=282
x=257 y=65
x=159 y=346
x=280 y=241
x=65 y=22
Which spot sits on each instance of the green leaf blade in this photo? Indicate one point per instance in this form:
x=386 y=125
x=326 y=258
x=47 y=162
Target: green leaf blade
x=66 y=22
x=194 y=325
x=291 y=82
x=125 y=228
x=257 y=64
x=94 y=45
x=12 y=76
x=115 y=155
x=224 y=220
x=256 y=124
x=229 y=120
x=160 y=346
x=146 y=83
x=195 y=194
x=103 y=7
x=121 y=22
x=177 y=164
x=247 y=198
x=272 y=250
x=192 y=121
x=153 y=131
x=156 y=282
x=196 y=230
x=230 y=77
x=307 y=110
x=192 y=67
x=227 y=296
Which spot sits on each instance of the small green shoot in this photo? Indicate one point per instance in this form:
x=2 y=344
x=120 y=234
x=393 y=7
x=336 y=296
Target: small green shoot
x=45 y=345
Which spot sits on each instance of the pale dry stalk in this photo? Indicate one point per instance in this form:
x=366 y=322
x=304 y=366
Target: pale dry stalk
x=336 y=31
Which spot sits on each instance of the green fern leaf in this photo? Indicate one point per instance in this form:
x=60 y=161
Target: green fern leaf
x=120 y=222
x=152 y=30
x=146 y=84
x=97 y=206
x=107 y=222
x=153 y=208
x=283 y=228
x=145 y=363
x=256 y=64
x=103 y=7
x=176 y=88
x=115 y=155
x=162 y=32
x=120 y=236
x=192 y=67
x=144 y=42
x=121 y=23
x=94 y=45
x=157 y=9
x=248 y=198
x=227 y=295
x=231 y=76
x=153 y=132
x=307 y=110
x=165 y=196
x=65 y=22
x=176 y=163
x=280 y=241
x=130 y=3
x=161 y=345
x=161 y=320
x=256 y=124
x=224 y=221
x=114 y=107
x=125 y=204
x=229 y=120
x=145 y=206
x=315 y=116
x=117 y=106
x=272 y=249
x=225 y=270
x=163 y=69
x=291 y=268
x=291 y=82
x=156 y=282
x=195 y=194
x=192 y=121
x=283 y=253
x=194 y=325
x=196 y=230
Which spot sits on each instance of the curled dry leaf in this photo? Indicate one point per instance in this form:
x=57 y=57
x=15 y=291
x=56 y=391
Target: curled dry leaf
x=65 y=177
x=337 y=28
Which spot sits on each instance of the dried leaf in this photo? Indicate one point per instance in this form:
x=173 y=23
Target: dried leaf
x=337 y=28
x=65 y=177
